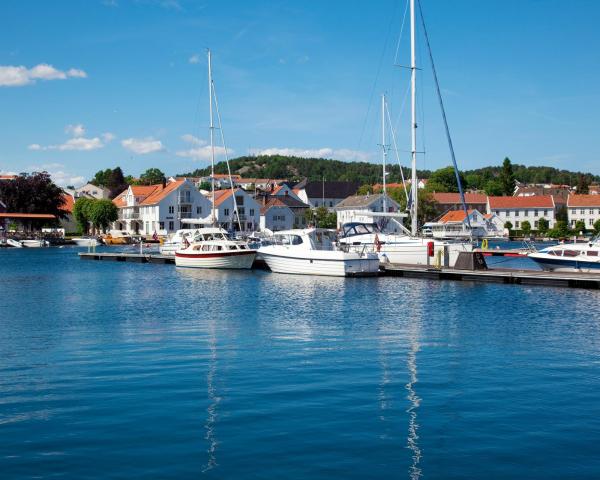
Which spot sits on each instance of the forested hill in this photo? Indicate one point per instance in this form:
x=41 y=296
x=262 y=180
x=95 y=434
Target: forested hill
x=297 y=168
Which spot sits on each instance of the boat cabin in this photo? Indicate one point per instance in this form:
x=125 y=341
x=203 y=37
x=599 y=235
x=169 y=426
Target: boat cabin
x=306 y=239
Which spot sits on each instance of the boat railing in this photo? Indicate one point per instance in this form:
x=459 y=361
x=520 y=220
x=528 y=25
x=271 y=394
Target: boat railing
x=529 y=246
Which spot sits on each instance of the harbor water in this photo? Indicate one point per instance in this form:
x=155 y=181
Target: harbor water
x=122 y=370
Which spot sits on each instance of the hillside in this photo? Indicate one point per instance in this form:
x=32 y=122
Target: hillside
x=297 y=168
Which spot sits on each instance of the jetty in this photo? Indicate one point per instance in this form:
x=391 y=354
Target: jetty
x=128 y=257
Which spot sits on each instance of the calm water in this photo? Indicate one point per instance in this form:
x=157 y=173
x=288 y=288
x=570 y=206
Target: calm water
x=115 y=370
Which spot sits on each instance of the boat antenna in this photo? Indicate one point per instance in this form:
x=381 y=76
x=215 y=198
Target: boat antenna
x=383 y=151
x=413 y=108
x=235 y=206
x=212 y=140
x=447 y=129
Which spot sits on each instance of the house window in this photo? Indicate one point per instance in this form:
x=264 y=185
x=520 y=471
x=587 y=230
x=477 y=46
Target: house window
x=331 y=203
x=251 y=212
x=241 y=211
x=171 y=226
x=516 y=213
x=161 y=225
x=535 y=224
x=526 y=213
x=591 y=211
x=225 y=211
x=535 y=214
x=591 y=222
x=198 y=210
x=171 y=209
x=239 y=200
x=582 y=211
x=517 y=224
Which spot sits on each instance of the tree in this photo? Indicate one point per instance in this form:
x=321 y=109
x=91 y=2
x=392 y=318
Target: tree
x=543 y=225
x=102 y=213
x=583 y=185
x=562 y=214
x=494 y=188
x=444 y=180
x=526 y=228
x=508 y=225
x=579 y=226
x=152 y=176
x=116 y=182
x=561 y=229
x=206 y=186
x=597 y=227
x=507 y=178
x=81 y=214
x=321 y=217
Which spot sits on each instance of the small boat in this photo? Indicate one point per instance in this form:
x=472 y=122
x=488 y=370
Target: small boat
x=85 y=241
x=13 y=243
x=570 y=257
x=117 y=237
x=214 y=248
x=175 y=241
x=34 y=243
x=313 y=251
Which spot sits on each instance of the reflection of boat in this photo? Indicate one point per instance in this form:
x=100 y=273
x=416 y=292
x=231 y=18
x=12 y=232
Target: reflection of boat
x=313 y=252
x=175 y=241
x=28 y=243
x=570 y=257
x=213 y=248
x=117 y=237
x=85 y=241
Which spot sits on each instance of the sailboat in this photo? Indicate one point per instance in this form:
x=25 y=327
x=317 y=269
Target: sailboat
x=213 y=247
x=406 y=247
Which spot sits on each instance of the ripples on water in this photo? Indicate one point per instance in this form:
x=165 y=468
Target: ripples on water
x=130 y=371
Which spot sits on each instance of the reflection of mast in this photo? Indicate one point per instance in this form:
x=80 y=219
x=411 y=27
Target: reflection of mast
x=214 y=399
x=415 y=400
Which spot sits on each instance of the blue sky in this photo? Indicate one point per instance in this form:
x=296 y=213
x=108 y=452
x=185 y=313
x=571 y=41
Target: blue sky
x=86 y=85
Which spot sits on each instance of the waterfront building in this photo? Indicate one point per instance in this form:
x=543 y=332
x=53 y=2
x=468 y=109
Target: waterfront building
x=516 y=210
x=585 y=208
x=357 y=207
x=559 y=192
x=69 y=223
x=159 y=208
x=326 y=194
x=455 y=224
x=92 y=191
x=283 y=212
x=265 y=184
x=447 y=201
x=248 y=209
x=494 y=225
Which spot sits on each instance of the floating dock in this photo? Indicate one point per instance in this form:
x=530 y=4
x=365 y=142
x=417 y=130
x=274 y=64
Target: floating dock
x=497 y=275
x=128 y=257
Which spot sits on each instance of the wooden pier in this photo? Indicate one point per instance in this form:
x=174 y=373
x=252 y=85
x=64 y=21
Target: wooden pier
x=497 y=275
x=128 y=257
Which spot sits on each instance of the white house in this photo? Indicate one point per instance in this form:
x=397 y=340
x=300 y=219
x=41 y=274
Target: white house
x=159 y=208
x=248 y=209
x=455 y=224
x=494 y=225
x=516 y=210
x=91 y=190
x=353 y=208
x=282 y=212
x=326 y=194
x=585 y=208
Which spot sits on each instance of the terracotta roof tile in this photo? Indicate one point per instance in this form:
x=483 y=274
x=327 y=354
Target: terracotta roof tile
x=592 y=200
x=68 y=203
x=454 y=216
x=454 y=198
x=161 y=192
x=539 y=201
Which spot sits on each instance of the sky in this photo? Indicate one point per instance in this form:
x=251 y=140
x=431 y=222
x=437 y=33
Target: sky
x=91 y=84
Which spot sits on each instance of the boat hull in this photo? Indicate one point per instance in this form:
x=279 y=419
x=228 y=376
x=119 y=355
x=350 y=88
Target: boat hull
x=85 y=242
x=238 y=260
x=344 y=266
x=546 y=262
x=34 y=243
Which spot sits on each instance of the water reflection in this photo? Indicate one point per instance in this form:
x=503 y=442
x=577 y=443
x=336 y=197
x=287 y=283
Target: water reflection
x=413 y=425
x=214 y=399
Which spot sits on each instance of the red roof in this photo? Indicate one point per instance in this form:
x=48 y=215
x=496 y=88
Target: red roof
x=27 y=215
x=454 y=216
x=7 y=177
x=592 y=200
x=161 y=192
x=68 y=203
x=273 y=202
x=533 y=201
x=454 y=198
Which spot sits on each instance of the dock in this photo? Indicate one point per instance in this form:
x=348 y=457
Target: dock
x=128 y=257
x=496 y=275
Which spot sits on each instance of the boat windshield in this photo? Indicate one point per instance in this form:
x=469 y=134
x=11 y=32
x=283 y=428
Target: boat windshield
x=351 y=229
x=287 y=239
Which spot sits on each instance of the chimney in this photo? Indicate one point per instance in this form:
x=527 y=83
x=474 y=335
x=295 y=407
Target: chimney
x=164 y=182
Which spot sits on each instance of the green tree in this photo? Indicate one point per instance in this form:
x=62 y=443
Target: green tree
x=102 y=213
x=543 y=225
x=508 y=225
x=579 y=226
x=152 y=176
x=597 y=227
x=494 y=188
x=321 y=217
x=81 y=213
x=507 y=178
x=444 y=180
x=206 y=186
x=561 y=229
x=583 y=185
x=526 y=228
x=562 y=214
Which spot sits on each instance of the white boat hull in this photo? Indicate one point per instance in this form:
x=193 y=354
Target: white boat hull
x=85 y=242
x=13 y=243
x=336 y=264
x=34 y=243
x=169 y=249
x=239 y=260
x=552 y=263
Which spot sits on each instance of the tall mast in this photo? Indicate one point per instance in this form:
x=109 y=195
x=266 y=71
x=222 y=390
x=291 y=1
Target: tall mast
x=413 y=107
x=212 y=140
x=383 y=151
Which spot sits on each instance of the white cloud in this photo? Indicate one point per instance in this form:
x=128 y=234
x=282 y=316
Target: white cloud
x=195 y=58
x=58 y=175
x=202 y=152
x=108 y=137
x=18 y=76
x=326 y=152
x=78 y=142
x=189 y=138
x=142 y=146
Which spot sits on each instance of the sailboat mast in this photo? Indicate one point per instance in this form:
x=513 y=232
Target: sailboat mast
x=413 y=105
x=383 y=151
x=212 y=140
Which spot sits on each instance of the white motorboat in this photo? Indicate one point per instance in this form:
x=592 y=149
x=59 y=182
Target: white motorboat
x=399 y=248
x=13 y=243
x=34 y=243
x=313 y=251
x=85 y=241
x=570 y=257
x=213 y=248
x=175 y=242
